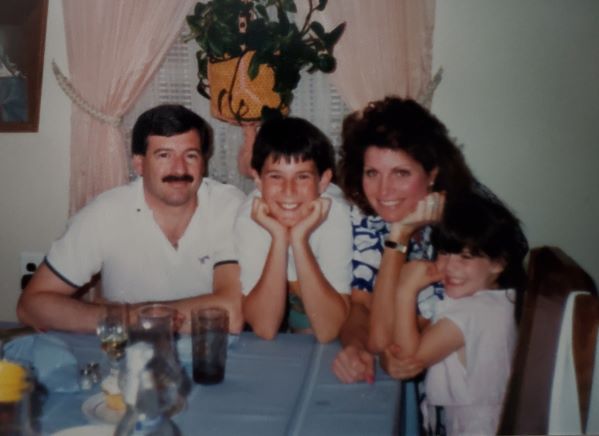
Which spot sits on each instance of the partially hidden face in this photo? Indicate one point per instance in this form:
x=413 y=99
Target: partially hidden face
x=393 y=182
x=465 y=274
x=172 y=169
x=289 y=186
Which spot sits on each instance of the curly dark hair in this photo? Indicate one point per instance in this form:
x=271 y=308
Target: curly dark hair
x=400 y=124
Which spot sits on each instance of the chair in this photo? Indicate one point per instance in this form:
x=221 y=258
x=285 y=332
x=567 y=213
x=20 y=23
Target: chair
x=552 y=276
x=586 y=359
x=574 y=366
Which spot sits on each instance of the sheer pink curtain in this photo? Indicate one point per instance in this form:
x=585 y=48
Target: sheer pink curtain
x=114 y=47
x=386 y=48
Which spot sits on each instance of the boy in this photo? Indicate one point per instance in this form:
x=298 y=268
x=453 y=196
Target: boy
x=294 y=233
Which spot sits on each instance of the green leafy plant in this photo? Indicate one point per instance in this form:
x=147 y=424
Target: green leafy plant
x=226 y=29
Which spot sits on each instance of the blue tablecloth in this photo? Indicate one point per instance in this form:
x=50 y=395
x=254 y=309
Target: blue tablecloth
x=280 y=387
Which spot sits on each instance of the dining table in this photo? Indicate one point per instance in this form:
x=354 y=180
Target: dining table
x=283 y=386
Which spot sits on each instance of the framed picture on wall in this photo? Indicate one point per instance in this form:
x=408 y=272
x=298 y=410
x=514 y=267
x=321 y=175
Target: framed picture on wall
x=22 y=38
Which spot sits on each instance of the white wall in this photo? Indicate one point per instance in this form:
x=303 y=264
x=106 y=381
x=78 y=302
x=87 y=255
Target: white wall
x=34 y=174
x=520 y=91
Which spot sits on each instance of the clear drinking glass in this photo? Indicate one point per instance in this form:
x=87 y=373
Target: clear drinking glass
x=113 y=331
x=155 y=325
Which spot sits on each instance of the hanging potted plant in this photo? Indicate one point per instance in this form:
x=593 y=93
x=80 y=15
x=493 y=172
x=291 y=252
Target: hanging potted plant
x=250 y=56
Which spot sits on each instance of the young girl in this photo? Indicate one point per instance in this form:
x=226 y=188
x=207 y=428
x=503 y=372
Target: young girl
x=467 y=347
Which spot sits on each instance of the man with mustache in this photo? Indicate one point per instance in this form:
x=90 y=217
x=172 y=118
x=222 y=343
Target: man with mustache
x=166 y=237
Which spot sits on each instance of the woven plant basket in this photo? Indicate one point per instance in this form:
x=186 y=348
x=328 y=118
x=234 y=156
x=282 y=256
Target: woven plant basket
x=234 y=97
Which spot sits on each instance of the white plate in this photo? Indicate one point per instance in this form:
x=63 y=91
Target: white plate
x=87 y=430
x=97 y=411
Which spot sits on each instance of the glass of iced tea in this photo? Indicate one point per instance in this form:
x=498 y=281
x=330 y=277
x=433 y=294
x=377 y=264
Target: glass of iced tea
x=209 y=337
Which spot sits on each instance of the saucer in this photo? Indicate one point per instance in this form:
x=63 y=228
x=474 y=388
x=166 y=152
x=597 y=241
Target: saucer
x=98 y=412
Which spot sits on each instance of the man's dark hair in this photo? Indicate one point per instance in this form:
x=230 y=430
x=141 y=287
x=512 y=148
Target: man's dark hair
x=170 y=120
x=292 y=138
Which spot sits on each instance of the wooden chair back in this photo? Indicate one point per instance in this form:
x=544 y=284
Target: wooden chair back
x=552 y=275
x=584 y=331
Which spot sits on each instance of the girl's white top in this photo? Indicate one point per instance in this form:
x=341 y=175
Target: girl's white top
x=487 y=322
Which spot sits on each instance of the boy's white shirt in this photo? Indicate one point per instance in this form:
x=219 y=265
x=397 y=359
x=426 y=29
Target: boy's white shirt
x=331 y=244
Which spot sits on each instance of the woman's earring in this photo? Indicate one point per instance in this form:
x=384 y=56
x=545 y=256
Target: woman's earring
x=430 y=185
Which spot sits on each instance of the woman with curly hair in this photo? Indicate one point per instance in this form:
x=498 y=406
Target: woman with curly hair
x=398 y=167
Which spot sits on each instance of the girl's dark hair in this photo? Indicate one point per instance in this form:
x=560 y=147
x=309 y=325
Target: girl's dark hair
x=399 y=124
x=486 y=227
x=292 y=138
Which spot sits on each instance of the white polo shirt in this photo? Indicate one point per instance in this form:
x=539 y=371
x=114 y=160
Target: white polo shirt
x=331 y=244
x=117 y=235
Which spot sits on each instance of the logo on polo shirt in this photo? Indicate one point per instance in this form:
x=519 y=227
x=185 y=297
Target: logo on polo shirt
x=204 y=259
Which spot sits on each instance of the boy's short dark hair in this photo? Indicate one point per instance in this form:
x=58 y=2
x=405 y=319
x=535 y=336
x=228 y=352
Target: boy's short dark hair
x=170 y=120
x=292 y=138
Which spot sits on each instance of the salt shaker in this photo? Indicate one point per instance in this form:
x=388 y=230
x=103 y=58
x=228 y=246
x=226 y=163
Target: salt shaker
x=86 y=379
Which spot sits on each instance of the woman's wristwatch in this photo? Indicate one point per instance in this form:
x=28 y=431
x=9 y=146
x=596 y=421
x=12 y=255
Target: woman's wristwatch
x=396 y=246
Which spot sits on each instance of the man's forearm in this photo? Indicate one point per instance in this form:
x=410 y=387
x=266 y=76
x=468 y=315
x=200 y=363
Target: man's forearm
x=52 y=311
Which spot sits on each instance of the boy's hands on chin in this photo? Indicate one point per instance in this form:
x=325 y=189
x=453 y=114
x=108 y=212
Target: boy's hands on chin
x=316 y=213
x=261 y=214
x=429 y=210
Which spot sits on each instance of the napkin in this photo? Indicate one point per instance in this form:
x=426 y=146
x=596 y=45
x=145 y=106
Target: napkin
x=53 y=363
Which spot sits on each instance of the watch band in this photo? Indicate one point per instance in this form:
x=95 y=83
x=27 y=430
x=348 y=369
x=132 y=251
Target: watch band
x=396 y=246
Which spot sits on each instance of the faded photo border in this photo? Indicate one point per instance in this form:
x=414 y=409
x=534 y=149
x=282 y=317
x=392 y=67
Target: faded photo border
x=22 y=41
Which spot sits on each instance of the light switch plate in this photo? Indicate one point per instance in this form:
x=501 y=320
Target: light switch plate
x=30 y=261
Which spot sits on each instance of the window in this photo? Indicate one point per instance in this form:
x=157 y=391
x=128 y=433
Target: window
x=175 y=82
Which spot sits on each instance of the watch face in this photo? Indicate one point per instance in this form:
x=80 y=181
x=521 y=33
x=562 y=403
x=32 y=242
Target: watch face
x=396 y=246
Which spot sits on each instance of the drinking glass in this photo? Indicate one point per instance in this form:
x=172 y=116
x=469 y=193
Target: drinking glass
x=155 y=325
x=209 y=332
x=113 y=331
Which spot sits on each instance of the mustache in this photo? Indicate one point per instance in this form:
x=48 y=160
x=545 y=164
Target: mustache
x=182 y=178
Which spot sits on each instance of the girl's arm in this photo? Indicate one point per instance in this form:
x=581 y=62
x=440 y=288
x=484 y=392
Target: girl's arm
x=438 y=340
